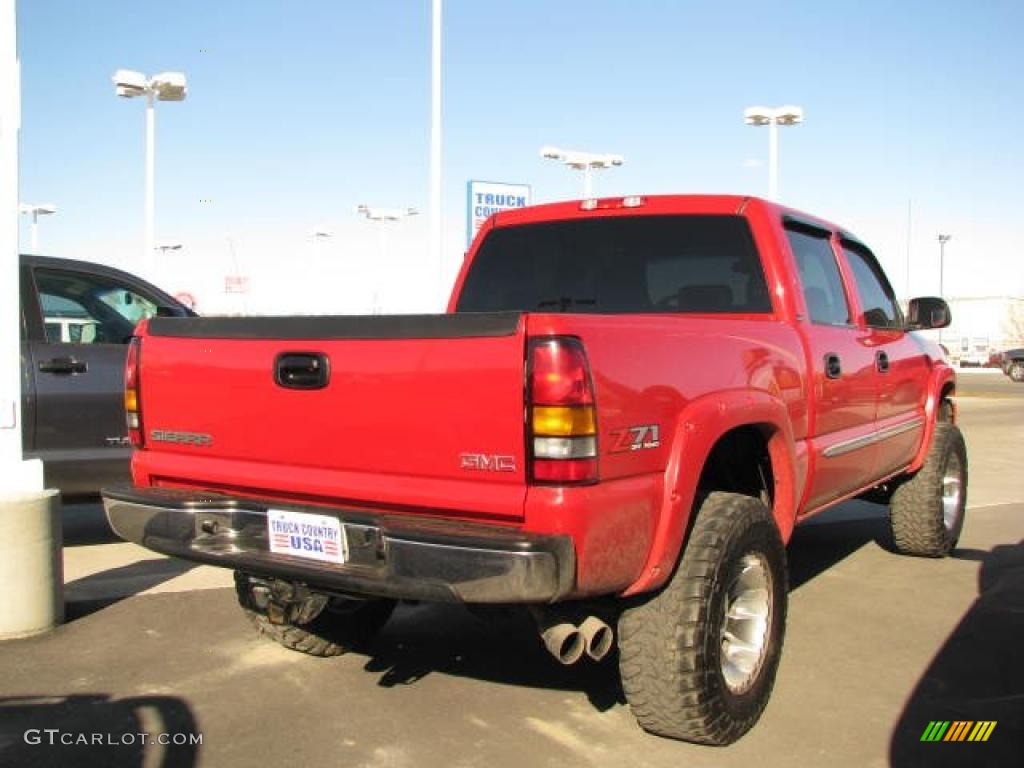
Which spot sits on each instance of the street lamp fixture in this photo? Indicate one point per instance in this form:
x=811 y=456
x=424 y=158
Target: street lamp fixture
x=36 y=210
x=773 y=117
x=166 y=86
x=374 y=213
x=943 y=239
x=587 y=162
x=385 y=217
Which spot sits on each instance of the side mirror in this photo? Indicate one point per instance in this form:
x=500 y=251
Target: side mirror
x=928 y=312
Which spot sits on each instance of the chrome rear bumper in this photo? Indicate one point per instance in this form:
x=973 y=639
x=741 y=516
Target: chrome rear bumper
x=389 y=555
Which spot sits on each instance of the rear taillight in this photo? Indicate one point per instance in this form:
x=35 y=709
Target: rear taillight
x=562 y=424
x=132 y=399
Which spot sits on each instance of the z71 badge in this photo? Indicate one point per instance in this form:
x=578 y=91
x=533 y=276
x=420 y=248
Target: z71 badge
x=636 y=438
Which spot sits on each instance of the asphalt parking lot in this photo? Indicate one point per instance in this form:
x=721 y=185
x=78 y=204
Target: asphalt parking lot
x=877 y=647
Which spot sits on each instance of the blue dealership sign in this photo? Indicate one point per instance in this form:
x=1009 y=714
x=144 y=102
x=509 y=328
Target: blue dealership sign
x=484 y=198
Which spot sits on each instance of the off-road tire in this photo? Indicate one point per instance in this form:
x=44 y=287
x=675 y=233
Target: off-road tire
x=670 y=642
x=331 y=633
x=1016 y=372
x=916 y=508
x=944 y=411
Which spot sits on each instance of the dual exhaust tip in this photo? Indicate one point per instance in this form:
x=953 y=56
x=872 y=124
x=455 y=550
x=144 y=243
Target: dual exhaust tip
x=567 y=642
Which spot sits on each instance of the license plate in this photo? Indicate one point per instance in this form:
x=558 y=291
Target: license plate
x=313 y=537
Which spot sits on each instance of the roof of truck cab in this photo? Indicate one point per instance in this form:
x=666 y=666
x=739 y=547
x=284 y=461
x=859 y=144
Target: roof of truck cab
x=659 y=205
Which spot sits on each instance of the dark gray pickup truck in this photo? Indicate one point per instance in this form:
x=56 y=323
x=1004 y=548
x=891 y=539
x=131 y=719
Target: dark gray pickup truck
x=76 y=319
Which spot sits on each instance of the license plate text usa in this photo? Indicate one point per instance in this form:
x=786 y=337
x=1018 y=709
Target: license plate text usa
x=311 y=536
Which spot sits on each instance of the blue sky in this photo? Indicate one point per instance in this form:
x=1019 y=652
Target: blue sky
x=299 y=111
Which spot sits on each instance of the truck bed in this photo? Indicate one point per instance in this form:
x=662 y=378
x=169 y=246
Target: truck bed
x=394 y=418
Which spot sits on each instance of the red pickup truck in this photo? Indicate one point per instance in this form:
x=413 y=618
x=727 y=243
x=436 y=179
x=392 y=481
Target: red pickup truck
x=626 y=409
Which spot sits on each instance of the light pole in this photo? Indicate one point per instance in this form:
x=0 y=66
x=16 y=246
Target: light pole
x=587 y=162
x=943 y=239
x=773 y=117
x=37 y=210
x=384 y=217
x=320 y=236
x=163 y=249
x=436 y=249
x=167 y=86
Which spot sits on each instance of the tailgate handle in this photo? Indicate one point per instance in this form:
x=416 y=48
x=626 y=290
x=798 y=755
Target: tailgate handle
x=302 y=370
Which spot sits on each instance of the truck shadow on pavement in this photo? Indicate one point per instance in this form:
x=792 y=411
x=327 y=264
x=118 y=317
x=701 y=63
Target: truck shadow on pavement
x=503 y=646
x=499 y=646
x=834 y=535
x=97 y=730
x=977 y=675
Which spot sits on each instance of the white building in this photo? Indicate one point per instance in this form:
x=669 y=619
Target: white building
x=982 y=326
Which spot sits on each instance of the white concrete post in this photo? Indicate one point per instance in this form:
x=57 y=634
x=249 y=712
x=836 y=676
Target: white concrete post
x=30 y=524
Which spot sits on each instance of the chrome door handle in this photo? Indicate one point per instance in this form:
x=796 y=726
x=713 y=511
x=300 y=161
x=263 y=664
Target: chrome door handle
x=833 y=367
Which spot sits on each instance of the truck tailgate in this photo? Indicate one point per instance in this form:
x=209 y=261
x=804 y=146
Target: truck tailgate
x=417 y=408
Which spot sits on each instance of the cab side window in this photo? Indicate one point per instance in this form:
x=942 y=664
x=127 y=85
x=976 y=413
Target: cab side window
x=89 y=309
x=876 y=295
x=819 y=276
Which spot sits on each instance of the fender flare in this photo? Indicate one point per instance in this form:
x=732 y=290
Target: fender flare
x=940 y=377
x=699 y=427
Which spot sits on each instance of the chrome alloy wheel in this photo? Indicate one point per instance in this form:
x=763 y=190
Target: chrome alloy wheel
x=952 y=491
x=746 y=623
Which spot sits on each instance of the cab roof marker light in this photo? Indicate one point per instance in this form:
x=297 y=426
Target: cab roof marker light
x=589 y=204
x=632 y=201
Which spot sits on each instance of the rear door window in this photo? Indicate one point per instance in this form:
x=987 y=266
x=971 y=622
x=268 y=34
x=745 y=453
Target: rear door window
x=820 y=278
x=623 y=264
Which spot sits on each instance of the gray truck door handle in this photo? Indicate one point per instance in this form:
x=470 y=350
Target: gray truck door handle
x=63 y=365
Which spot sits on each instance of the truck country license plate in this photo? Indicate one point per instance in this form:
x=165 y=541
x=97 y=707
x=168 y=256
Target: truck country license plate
x=314 y=537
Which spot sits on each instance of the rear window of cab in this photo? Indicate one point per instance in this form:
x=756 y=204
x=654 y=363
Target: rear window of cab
x=619 y=265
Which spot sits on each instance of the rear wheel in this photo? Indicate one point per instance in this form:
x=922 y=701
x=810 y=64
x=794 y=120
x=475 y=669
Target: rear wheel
x=927 y=511
x=698 y=658
x=1017 y=371
x=311 y=623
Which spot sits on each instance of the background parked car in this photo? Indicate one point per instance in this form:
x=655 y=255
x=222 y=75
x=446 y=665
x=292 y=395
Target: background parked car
x=76 y=319
x=1013 y=363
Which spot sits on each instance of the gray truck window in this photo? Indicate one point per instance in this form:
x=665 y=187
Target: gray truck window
x=88 y=309
x=819 y=276
x=877 y=300
x=619 y=265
